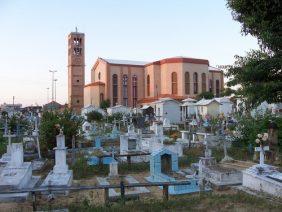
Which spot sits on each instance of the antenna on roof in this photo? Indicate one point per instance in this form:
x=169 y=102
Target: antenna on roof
x=76 y=29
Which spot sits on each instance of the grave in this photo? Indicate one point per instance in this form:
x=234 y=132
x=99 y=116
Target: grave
x=262 y=177
x=38 y=163
x=113 y=193
x=6 y=157
x=131 y=143
x=17 y=175
x=60 y=175
x=217 y=174
x=164 y=168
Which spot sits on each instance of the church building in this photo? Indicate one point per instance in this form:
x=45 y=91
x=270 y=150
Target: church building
x=133 y=83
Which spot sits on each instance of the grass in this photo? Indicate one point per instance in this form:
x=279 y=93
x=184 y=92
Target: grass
x=206 y=202
x=125 y=168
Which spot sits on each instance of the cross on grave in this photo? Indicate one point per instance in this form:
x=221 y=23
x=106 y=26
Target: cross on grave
x=9 y=136
x=261 y=151
x=36 y=135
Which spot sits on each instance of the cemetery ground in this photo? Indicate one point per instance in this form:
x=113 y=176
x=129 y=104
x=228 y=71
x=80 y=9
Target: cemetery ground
x=93 y=200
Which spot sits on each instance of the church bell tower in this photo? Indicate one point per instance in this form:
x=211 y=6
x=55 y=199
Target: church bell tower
x=76 y=70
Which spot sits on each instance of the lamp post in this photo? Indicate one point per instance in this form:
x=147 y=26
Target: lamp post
x=55 y=80
x=53 y=75
x=47 y=94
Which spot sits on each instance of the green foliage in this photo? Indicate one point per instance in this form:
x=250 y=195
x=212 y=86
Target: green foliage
x=51 y=123
x=249 y=127
x=3 y=144
x=260 y=70
x=105 y=104
x=94 y=116
x=227 y=92
x=206 y=95
x=205 y=202
x=82 y=170
x=115 y=116
x=18 y=120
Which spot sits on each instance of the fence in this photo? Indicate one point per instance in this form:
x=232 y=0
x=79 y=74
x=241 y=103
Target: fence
x=49 y=190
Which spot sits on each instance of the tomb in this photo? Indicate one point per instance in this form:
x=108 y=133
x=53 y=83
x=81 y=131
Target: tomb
x=60 y=175
x=6 y=157
x=114 y=193
x=262 y=177
x=217 y=174
x=164 y=168
x=17 y=175
x=131 y=143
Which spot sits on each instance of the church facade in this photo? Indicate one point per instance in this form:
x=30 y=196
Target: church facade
x=133 y=83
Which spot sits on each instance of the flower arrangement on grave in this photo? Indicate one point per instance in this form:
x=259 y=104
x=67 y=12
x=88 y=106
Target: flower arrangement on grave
x=262 y=139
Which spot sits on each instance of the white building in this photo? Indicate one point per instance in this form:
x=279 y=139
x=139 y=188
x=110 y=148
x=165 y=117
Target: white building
x=118 y=109
x=188 y=108
x=226 y=106
x=167 y=108
x=208 y=107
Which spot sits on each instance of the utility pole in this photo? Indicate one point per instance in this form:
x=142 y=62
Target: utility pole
x=55 y=80
x=47 y=95
x=53 y=75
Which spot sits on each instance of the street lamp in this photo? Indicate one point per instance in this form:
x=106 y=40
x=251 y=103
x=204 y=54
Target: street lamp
x=53 y=75
x=55 y=80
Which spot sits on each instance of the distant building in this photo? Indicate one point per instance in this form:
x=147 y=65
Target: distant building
x=208 y=107
x=10 y=109
x=51 y=106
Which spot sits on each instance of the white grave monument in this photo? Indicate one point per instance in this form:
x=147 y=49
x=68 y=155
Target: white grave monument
x=263 y=177
x=60 y=175
x=17 y=174
x=113 y=169
x=6 y=157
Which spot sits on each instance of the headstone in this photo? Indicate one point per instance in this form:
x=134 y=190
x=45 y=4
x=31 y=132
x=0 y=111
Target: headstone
x=60 y=175
x=261 y=151
x=113 y=169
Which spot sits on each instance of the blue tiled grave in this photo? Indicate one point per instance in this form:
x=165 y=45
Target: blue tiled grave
x=164 y=168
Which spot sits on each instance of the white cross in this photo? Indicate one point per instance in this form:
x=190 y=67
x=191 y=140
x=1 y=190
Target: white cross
x=9 y=136
x=261 y=151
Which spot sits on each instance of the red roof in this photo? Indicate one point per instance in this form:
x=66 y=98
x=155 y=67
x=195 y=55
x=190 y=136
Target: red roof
x=179 y=60
x=95 y=84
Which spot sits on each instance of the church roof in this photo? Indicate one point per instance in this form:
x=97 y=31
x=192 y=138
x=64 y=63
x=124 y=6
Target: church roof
x=125 y=62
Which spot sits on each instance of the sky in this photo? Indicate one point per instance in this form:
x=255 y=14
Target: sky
x=33 y=37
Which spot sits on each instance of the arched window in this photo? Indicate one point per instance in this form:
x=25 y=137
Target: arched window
x=148 y=85
x=195 y=82
x=204 y=82
x=134 y=90
x=217 y=88
x=211 y=86
x=174 y=83
x=115 y=89
x=187 y=83
x=99 y=76
x=101 y=97
x=125 y=90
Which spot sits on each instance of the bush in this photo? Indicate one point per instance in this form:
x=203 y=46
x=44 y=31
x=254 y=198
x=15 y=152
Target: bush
x=94 y=116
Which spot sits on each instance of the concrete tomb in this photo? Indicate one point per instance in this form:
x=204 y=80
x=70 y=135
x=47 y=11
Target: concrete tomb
x=164 y=168
x=17 y=174
x=60 y=175
x=6 y=157
x=263 y=177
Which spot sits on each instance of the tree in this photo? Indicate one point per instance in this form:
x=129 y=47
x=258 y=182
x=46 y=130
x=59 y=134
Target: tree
x=105 y=104
x=94 y=116
x=51 y=123
x=227 y=91
x=205 y=95
x=258 y=73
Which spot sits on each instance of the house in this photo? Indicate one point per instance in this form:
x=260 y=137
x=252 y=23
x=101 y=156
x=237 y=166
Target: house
x=208 y=107
x=188 y=108
x=118 y=109
x=167 y=108
x=226 y=106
